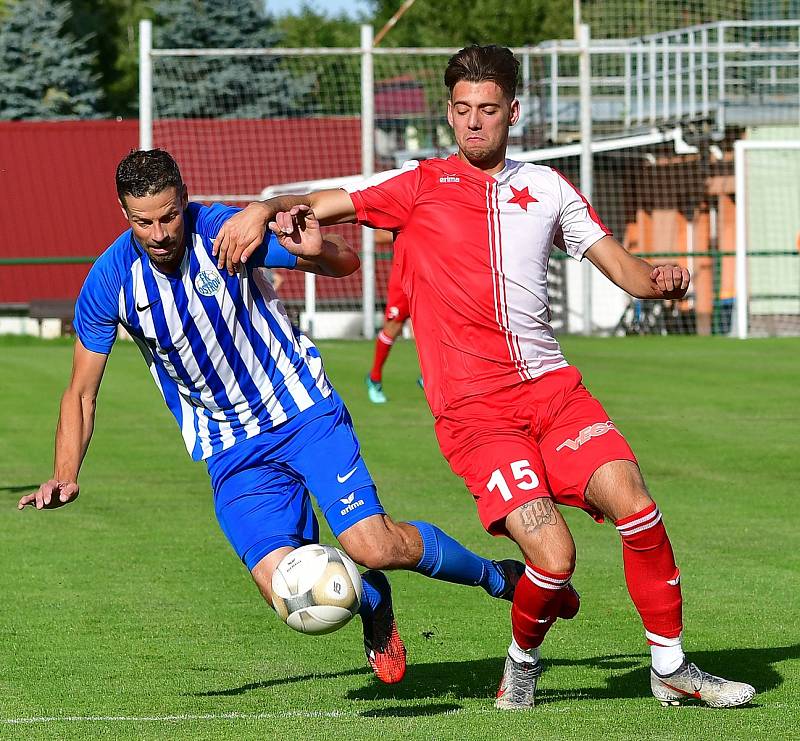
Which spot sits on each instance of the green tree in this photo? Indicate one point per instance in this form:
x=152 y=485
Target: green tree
x=311 y=29
x=45 y=72
x=456 y=23
x=114 y=29
x=222 y=87
x=336 y=89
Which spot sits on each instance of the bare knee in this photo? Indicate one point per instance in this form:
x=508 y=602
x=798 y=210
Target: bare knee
x=392 y=328
x=617 y=489
x=560 y=560
x=541 y=532
x=378 y=542
x=263 y=570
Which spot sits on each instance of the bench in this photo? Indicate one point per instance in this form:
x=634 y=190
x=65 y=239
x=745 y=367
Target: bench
x=63 y=309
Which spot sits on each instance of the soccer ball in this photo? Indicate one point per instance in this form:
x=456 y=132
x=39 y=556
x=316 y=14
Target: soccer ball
x=316 y=589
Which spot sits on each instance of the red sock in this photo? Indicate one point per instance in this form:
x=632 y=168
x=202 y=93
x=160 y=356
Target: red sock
x=382 y=347
x=651 y=574
x=536 y=604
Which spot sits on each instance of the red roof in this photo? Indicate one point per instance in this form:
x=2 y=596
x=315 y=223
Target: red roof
x=57 y=182
x=399 y=97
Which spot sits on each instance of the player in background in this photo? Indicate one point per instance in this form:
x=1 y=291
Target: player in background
x=473 y=235
x=395 y=317
x=250 y=396
x=275 y=278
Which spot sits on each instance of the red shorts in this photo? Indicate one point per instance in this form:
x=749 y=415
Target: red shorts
x=396 y=302
x=540 y=438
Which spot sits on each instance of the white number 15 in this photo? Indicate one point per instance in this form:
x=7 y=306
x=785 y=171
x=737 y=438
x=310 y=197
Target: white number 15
x=523 y=475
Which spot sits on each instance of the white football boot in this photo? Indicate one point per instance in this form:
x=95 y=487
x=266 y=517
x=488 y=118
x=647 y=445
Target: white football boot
x=688 y=681
x=517 y=689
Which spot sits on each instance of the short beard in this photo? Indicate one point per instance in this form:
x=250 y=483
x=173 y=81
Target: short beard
x=483 y=158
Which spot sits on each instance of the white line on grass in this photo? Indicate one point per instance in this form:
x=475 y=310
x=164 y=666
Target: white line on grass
x=306 y=714
x=174 y=718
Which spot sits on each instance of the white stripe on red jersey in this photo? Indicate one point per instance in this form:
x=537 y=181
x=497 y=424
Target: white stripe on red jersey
x=473 y=251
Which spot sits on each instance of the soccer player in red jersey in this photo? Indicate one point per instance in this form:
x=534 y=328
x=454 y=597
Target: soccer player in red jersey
x=474 y=234
x=396 y=314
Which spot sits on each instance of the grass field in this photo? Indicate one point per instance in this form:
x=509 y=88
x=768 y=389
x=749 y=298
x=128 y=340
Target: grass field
x=126 y=614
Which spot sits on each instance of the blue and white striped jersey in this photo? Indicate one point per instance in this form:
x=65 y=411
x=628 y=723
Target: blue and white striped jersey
x=221 y=348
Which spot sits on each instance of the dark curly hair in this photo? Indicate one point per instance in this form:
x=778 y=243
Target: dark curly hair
x=147 y=172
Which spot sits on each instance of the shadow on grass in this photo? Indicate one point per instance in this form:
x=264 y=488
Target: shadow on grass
x=19 y=488
x=400 y=711
x=267 y=683
x=627 y=676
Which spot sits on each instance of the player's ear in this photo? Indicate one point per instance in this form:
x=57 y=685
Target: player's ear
x=124 y=210
x=184 y=197
x=514 y=113
x=450 y=117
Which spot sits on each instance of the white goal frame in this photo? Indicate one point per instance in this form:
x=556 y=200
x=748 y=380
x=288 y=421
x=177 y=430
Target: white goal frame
x=740 y=149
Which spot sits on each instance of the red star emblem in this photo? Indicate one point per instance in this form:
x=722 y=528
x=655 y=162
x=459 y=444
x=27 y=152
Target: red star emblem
x=522 y=198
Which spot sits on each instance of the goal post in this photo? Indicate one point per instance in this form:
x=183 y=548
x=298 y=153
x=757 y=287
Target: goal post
x=767 y=184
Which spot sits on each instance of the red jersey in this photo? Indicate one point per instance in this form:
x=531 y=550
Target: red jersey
x=473 y=250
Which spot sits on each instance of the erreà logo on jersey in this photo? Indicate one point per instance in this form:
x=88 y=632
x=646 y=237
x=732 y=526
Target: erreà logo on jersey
x=449 y=179
x=587 y=433
x=208 y=283
x=351 y=505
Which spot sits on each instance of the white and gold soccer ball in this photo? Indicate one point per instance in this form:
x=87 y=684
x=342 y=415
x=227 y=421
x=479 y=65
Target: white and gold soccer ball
x=316 y=589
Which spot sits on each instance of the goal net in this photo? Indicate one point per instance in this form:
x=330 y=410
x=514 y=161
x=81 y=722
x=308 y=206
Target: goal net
x=666 y=109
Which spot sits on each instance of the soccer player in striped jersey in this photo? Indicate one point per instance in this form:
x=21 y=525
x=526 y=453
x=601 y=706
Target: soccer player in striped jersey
x=249 y=394
x=474 y=235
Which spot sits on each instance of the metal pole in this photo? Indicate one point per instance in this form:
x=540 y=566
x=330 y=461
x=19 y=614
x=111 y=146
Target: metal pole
x=145 y=85
x=311 y=303
x=665 y=78
x=585 y=87
x=640 y=84
x=527 y=121
x=721 y=78
x=741 y=239
x=576 y=18
x=628 y=89
x=367 y=168
x=653 y=81
x=392 y=21
x=678 y=83
x=692 y=81
x=704 y=69
x=554 y=96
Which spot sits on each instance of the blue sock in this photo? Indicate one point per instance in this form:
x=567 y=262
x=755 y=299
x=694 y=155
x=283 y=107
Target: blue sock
x=371 y=595
x=446 y=559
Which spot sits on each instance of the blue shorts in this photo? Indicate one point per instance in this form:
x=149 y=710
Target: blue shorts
x=262 y=485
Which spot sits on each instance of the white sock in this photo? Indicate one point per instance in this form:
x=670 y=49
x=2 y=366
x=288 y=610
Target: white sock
x=666 y=659
x=528 y=655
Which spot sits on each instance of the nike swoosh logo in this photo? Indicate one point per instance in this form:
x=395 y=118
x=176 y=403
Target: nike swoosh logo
x=147 y=306
x=342 y=479
x=683 y=692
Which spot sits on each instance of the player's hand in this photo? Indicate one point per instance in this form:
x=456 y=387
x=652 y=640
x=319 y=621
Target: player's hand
x=672 y=280
x=240 y=236
x=51 y=494
x=298 y=231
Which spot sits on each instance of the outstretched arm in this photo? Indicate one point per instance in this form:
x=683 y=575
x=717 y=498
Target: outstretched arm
x=298 y=232
x=639 y=278
x=74 y=431
x=244 y=232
